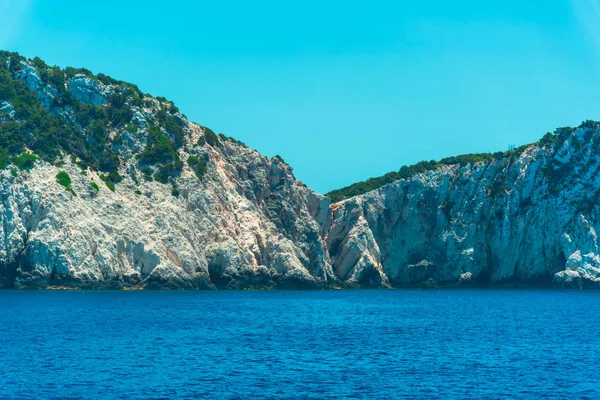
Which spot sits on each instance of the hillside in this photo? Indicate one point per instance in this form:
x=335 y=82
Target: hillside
x=408 y=171
x=103 y=186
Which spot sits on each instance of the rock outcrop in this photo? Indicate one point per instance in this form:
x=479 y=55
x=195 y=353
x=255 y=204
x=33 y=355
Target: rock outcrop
x=88 y=91
x=525 y=218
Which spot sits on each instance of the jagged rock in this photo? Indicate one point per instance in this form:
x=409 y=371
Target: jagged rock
x=8 y=110
x=138 y=118
x=250 y=223
x=29 y=76
x=246 y=222
x=47 y=96
x=88 y=91
x=465 y=277
x=215 y=233
x=526 y=234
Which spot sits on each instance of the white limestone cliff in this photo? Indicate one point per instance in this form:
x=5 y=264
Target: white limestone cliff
x=450 y=225
x=248 y=223
x=528 y=218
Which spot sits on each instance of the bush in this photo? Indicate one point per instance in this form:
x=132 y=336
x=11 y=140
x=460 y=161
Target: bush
x=147 y=173
x=25 y=161
x=498 y=187
x=115 y=177
x=95 y=186
x=39 y=63
x=71 y=72
x=107 y=80
x=119 y=113
x=11 y=139
x=108 y=161
x=164 y=173
x=109 y=184
x=406 y=172
x=210 y=137
x=131 y=128
x=559 y=136
x=63 y=179
x=589 y=124
x=175 y=190
x=199 y=165
x=3 y=158
x=159 y=148
x=466 y=159
x=556 y=172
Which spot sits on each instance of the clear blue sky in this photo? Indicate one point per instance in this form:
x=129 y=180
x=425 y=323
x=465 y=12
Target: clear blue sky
x=342 y=90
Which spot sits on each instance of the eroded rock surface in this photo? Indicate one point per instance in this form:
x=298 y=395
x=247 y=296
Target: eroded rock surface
x=248 y=223
x=525 y=218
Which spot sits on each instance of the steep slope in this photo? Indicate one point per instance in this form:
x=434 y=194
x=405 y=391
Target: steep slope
x=102 y=186
x=526 y=218
x=188 y=209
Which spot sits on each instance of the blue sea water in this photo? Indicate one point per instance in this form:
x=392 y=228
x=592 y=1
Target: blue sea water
x=300 y=344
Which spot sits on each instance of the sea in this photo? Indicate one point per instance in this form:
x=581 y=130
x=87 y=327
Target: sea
x=335 y=344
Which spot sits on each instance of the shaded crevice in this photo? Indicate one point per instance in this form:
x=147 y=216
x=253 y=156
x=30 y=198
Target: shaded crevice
x=220 y=281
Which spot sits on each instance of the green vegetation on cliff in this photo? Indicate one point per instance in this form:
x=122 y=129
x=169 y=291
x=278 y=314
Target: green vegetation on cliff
x=63 y=179
x=406 y=172
x=198 y=165
x=24 y=161
x=49 y=121
x=553 y=140
x=47 y=113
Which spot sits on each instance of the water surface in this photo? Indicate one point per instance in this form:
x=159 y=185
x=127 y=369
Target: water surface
x=300 y=344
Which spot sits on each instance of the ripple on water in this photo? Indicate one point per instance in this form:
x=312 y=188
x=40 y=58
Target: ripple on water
x=321 y=344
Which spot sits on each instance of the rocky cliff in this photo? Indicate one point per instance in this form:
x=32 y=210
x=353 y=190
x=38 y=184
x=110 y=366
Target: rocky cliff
x=526 y=218
x=140 y=197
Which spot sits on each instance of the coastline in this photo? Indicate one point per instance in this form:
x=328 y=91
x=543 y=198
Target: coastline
x=589 y=286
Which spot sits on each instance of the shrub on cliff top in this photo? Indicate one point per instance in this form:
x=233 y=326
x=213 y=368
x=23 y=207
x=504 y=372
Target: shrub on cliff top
x=406 y=172
x=211 y=137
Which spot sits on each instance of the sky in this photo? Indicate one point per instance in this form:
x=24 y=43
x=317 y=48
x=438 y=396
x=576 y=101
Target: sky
x=342 y=90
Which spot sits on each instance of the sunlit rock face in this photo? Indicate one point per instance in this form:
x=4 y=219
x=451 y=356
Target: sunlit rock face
x=250 y=224
x=528 y=217
x=87 y=91
x=247 y=224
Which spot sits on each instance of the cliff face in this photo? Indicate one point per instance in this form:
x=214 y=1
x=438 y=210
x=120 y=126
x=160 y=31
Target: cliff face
x=529 y=218
x=248 y=223
x=244 y=221
x=189 y=209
